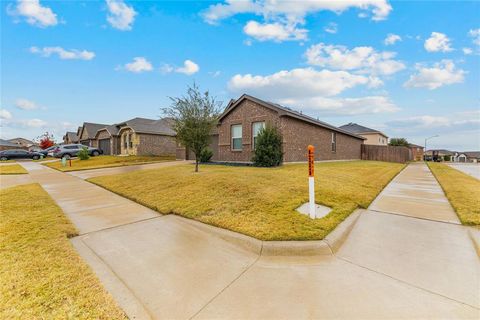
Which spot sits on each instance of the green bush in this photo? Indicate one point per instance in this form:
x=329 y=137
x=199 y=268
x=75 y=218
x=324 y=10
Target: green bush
x=206 y=155
x=447 y=158
x=268 y=148
x=83 y=154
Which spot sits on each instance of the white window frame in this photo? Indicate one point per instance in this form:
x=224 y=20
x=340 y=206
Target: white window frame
x=232 y=137
x=253 y=131
x=334 y=142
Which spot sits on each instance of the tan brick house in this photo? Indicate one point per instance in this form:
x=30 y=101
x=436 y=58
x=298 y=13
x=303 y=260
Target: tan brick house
x=87 y=132
x=70 y=137
x=243 y=119
x=372 y=136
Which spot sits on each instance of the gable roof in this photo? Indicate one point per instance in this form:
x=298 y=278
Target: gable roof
x=20 y=140
x=91 y=128
x=150 y=126
x=72 y=136
x=414 y=145
x=6 y=143
x=358 y=129
x=284 y=112
x=472 y=154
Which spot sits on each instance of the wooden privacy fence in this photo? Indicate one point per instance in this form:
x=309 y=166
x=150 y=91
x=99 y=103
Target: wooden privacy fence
x=386 y=153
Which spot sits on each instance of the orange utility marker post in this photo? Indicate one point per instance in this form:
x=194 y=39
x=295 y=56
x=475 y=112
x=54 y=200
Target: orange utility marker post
x=311 y=180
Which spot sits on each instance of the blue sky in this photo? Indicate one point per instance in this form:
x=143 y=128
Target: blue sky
x=410 y=68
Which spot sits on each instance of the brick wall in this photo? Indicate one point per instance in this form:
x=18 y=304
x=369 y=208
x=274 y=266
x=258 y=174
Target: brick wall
x=297 y=135
x=153 y=144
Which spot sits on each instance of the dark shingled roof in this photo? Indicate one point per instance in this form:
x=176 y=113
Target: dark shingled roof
x=6 y=143
x=285 y=111
x=472 y=154
x=143 y=125
x=72 y=136
x=92 y=129
x=358 y=129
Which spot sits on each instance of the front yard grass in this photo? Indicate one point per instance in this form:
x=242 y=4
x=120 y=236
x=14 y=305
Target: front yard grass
x=41 y=275
x=107 y=162
x=462 y=190
x=259 y=202
x=12 y=169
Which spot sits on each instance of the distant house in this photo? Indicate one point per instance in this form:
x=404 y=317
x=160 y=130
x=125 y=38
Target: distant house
x=417 y=151
x=23 y=143
x=467 y=156
x=242 y=120
x=87 y=132
x=70 y=137
x=7 y=145
x=372 y=136
x=137 y=136
x=442 y=154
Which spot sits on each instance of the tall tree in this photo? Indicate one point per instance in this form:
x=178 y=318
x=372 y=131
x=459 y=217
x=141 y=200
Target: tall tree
x=398 y=142
x=194 y=115
x=46 y=140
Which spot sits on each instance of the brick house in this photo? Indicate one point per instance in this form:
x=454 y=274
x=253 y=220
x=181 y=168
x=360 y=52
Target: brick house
x=70 y=137
x=372 y=136
x=23 y=143
x=137 y=136
x=87 y=132
x=417 y=151
x=243 y=118
x=7 y=145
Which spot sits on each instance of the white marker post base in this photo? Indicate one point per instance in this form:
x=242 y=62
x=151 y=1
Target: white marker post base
x=311 y=197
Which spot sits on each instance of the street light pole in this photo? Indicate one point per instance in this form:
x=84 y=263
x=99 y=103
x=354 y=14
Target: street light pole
x=425 y=152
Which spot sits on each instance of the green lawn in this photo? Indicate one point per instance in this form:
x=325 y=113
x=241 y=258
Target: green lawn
x=12 y=169
x=259 y=202
x=462 y=190
x=41 y=275
x=107 y=162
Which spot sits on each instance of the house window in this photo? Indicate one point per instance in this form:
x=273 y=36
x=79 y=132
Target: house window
x=125 y=143
x=256 y=127
x=237 y=137
x=334 y=141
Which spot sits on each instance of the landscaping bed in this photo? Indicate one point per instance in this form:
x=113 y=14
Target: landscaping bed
x=12 y=169
x=259 y=202
x=462 y=190
x=41 y=275
x=107 y=162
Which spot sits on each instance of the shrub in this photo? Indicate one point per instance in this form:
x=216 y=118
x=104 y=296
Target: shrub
x=83 y=154
x=398 y=142
x=206 y=155
x=447 y=158
x=268 y=148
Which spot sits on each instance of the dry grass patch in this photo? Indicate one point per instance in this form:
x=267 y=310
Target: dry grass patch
x=462 y=190
x=107 y=162
x=41 y=275
x=259 y=202
x=12 y=169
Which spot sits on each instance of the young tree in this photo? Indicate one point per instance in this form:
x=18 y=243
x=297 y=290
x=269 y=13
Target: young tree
x=398 y=142
x=268 y=148
x=194 y=115
x=46 y=140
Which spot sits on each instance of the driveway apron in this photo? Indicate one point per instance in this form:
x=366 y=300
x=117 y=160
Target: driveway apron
x=406 y=258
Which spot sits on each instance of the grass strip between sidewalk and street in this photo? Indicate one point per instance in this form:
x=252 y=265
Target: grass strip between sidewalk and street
x=107 y=162
x=41 y=275
x=462 y=190
x=12 y=169
x=259 y=202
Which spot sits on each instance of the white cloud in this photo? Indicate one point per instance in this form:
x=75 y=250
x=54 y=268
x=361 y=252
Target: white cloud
x=296 y=83
x=475 y=34
x=25 y=104
x=139 y=64
x=442 y=73
x=33 y=123
x=274 y=31
x=467 y=51
x=5 y=114
x=344 y=106
x=391 y=39
x=332 y=27
x=437 y=42
x=120 y=16
x=362 y=59
x=34 y=13
x=63 y=54
x=189 y=68
x=286 y=16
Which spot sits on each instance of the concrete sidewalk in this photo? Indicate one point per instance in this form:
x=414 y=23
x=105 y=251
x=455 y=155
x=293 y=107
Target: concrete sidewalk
x=403 y=263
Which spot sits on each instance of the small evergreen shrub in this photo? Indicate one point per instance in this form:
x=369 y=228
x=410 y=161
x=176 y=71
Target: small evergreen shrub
x=206 y=155
x=83 y=154
x=268 y=148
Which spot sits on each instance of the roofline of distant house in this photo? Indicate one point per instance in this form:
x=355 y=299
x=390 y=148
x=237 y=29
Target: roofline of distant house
x=282 y=111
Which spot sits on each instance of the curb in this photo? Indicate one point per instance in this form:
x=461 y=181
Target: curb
x=328 y=246
x=475 y=237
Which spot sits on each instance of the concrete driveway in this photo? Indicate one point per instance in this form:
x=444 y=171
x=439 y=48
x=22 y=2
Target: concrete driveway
x=407 y=257
x=472 y=169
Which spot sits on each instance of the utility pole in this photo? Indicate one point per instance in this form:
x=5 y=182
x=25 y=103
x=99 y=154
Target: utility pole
x=425 y=152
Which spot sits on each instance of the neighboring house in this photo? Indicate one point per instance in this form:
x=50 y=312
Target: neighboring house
x=372 y=136
x=417 y=151
x=87 y=132
x=23 y=143
x=7 y=145
x=138 y=136
x=467 y=156
x=70 y=137
x=243 y=119
x=444 y=155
